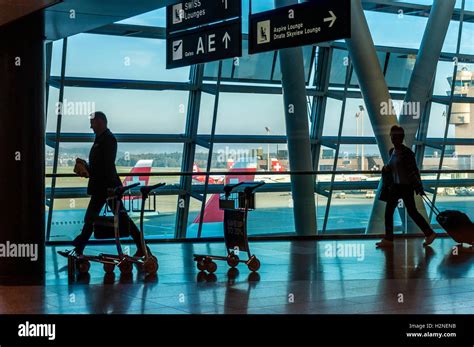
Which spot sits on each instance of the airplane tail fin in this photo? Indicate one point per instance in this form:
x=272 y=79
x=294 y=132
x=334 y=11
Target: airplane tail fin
x=276 y=165
x=142 y=166
x=212 y=213
x=200 y=178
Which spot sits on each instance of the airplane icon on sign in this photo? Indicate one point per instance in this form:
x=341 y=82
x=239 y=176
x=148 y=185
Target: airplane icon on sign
x=178 y=50
x=177 y=45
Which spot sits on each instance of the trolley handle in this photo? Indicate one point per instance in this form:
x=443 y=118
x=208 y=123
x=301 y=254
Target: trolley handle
x=431 y=205
x=119 y=191
x=148 y=189
x=230 y=187
x=252 y=188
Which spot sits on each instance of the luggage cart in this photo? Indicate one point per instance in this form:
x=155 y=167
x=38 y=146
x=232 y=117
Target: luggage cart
x=236 y=201
x=82 y=263
x=125 y=262
x=121 y=260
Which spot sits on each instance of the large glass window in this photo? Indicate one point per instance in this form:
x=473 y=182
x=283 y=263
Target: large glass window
x=163 y=120
x=396 y=30
x=467 y=39
x=244 y=113
x=128 y=111
x=117 y=57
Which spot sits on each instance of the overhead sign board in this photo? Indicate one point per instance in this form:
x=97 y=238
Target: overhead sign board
x=299 y=25
x=210 y=43
x=192 y=13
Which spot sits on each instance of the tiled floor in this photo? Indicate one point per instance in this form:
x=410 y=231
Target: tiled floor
x=296 y=277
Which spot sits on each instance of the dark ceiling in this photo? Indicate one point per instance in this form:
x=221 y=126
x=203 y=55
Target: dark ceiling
x=91 y=14
x=14 y=9
x=69 y=17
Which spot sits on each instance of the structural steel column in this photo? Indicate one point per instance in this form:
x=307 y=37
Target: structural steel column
x=424 y=72
x=321 y=83
x=375 y=92
x=297 y=128
x=421 y=82
x=22 y=146
x=192 y=121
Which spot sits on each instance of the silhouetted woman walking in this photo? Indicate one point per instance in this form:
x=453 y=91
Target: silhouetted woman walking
x=401 y=180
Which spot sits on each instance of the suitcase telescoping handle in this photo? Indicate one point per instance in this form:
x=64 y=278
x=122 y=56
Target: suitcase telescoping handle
x=431 y=205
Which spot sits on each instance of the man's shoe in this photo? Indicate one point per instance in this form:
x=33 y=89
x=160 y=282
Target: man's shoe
x=384 y=244
x=70 y=253
x=429 y=240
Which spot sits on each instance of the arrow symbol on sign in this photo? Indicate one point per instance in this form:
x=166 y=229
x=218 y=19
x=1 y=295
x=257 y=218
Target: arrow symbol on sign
x=331 y=19
x=226 y=39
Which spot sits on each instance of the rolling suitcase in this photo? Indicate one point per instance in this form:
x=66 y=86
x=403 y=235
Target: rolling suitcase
x=456 y=223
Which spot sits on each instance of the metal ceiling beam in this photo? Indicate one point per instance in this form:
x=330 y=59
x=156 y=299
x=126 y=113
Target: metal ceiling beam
x=122 y=138
x=105 y=83
x=80 y=192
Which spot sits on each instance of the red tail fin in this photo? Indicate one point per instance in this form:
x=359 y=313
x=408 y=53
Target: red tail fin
x=277 y=166
x=201 y=178
x=212 y=213
x=142 y=166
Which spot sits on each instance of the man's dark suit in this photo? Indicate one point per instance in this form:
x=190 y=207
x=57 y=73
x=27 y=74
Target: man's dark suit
x=101 y=166
x=102 y=176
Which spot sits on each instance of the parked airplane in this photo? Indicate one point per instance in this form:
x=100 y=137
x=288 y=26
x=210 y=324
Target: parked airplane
x=202 y=178
x=213 y=217
x=276 y=166
x=465 y=191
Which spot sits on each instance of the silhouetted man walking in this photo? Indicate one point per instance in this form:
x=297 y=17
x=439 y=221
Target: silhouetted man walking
x=103 y=176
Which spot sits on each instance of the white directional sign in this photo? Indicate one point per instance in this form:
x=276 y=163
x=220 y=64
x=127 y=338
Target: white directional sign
x=214 y=42
x=192 y=13
x=299 y=25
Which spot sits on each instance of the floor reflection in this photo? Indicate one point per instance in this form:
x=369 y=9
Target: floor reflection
x=298 y=277
x=457 y=263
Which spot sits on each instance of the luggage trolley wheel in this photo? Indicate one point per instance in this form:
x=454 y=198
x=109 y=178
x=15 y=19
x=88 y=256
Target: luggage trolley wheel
x=211 y=266
x=151 y=265
x=254 y=264
x=109 y=268
x=201 y=264
x=83 y=266
x=205 y=263
x=232 y=260
x=126 y=267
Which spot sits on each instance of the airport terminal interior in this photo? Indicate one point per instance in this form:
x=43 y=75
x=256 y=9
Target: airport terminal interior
x=202 y=127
